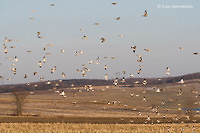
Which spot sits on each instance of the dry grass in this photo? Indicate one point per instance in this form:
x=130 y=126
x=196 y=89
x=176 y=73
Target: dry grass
x=94 y=104
x=97 y=128
x=90 y=112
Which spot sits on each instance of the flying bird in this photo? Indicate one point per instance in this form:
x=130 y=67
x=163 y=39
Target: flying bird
x=181 y=81
x=181 y=48
x=50 y=45
x=85 y=37
x=145 y=13
x=139 y=71
x=16 y=59
x=196 y=53
x=63 y=75
x=31 y=18
x=52 y=4
x=103 y=40
x=148 y=50
x=90 y=62
x=140 y=59
x=121 y=35
x=12 y=47
x=144 y=82
x=44 y=59
x=53 y=70
x=62 y=50
x=133 y=48
x=118 y=18
x=34 y=73
x=40 y=64
x=114 y=3
x=38 y=35
x=32 y=10
x=105 y=67
x=106 y=77
x=167 y=71
x=167 y=68
x=96 y=23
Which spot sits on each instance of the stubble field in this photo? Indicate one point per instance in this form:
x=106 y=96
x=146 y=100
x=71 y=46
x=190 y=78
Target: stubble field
x=105 y=109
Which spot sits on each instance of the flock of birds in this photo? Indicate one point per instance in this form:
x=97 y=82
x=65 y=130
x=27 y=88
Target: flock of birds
x=83 y=71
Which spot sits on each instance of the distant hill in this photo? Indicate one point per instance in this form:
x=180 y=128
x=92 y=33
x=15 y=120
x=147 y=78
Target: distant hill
x=95 y=82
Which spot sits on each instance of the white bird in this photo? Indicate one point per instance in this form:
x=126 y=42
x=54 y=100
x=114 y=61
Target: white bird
x=53 y=70
x=144 y=99
x=134 y=48
x=144 y=82
x=62 y=50
x=123 y=79
x=63 y=75
x=105 y=67
x=90 y=62
x=181 y=81
x=62 y=93
x=148 y=118
x=131 y=75
x=40 y=64
x=5 y=50
x=16 y=59
x=106 y=77
x=158 y=90
x=38 y=35
x=131 y=94
x=115 y=82
x=167 y=68
x=80 y=52
x=85 y=37
x=14 y=70
x=167 y=71
x=44 y=59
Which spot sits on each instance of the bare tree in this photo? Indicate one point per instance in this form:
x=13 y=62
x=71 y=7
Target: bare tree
x=19 y=101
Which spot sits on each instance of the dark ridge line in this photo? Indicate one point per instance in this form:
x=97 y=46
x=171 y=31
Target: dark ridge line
x=67 y=83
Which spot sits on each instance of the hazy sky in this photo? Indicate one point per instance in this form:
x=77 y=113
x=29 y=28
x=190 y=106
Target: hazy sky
x=170 y=24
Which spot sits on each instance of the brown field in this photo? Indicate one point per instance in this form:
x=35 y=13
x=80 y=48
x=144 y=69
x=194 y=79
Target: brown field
x=104 y=109
x=97 y=128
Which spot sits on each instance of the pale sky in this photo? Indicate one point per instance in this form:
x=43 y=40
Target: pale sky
x=170 y=24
